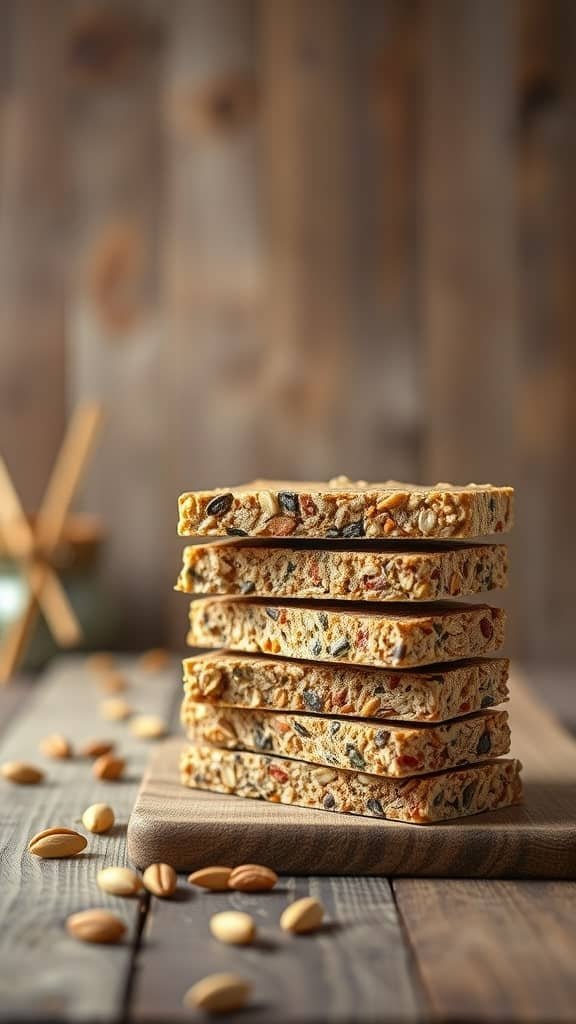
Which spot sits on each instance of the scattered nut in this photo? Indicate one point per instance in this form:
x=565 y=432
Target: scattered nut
x=219 y=993
x=115 y=710
x=95 y=748
x=119 y=881
x=233 y=927
x=21 y=772
x=109 y=767
x=148 y=727
x=252 y=878
x=56 y=746
x=57 y=842
x=112 y=682
x=305 y=915
x=154 y=660
x=95 y=926
x=98 y=818
x=160 y=879
x=214 y=878
x=100 y=661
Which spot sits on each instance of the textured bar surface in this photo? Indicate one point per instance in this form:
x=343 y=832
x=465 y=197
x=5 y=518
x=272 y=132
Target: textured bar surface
x=391 y=636
x=455 y=793
x=341 y=508
x=394 y=750
x=245 y=680
x=360 y=571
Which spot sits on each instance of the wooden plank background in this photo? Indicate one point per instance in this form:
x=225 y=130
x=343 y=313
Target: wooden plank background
x=291 y=238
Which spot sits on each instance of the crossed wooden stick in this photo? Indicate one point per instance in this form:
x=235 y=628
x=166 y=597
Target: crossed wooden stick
x=33 y=546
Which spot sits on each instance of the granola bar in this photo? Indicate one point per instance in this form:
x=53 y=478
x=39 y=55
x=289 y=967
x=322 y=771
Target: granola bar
x=368 y=634
x=242 y=680
x=360 y=571
x=343 y=509
x=392 y=750
x=450 y=794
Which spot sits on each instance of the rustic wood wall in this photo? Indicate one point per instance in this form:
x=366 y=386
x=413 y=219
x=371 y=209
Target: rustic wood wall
x=293 y=237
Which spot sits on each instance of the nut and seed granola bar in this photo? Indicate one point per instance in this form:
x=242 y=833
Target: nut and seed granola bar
x=450 y=794
x=394 y=636
x=347 y=510
x=421 y=695
x=360 y=571
x=396 y=750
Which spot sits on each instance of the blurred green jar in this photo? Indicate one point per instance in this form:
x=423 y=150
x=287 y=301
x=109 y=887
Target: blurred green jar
x=76 y=562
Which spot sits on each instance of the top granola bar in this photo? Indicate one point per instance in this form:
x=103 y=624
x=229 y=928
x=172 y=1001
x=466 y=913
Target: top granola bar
x=346 y=510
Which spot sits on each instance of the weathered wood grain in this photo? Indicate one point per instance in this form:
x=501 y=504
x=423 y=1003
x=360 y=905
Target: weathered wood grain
x=43 y=972
x=192 y=829
x=34 y=255
x=356 y=969
x=492 y=951
x=113 y=61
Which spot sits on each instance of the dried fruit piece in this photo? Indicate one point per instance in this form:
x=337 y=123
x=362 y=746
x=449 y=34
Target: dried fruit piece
x=21 y=772
x=115 y=710
x=119 y=881
x=148 y=727
x=219 y=993
x=57 y=842
x=154 y=659
x=98 y=818
x=108 y=767
x=160 y=879
x=233 y=927
x=219 y=505
x=213 y=878
x=96 y=748
x=305 y=915
x=252 y=878
x=95 y=926
x=56 y=746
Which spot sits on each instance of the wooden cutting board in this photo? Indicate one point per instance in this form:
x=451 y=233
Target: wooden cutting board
x=191 y=829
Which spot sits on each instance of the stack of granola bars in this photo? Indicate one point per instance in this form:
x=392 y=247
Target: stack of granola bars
x=345 y=676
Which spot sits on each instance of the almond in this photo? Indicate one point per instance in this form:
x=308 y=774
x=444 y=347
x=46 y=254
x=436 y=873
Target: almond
x=305 y=915
x=95 y=926
x=112 y=682
x=95 y=748
x=56 y=746
x=115 y=710
x=108 y=767
x=252 y=878
x=214 y=878
x=100 y=661
x=154 y=660
x=21 y=772
x=98 y=818
x=219 y=993
x=119 y=881
x=148 y=727
x=233 y=927
x=160 y=879
x=57 y=842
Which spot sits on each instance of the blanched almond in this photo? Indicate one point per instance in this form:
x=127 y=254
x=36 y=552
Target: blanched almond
x=214 y=878
x=119 y=881
x=56 y=746
x=148 y=727
x=160 y=879
x=95 y=926
x=233 y=927
x=305 y=915
x=109 y=767
x=21 y=772
x=98 y=818
x=219 y=993
x=115 y=710
x=252 y=878
x=57 y=842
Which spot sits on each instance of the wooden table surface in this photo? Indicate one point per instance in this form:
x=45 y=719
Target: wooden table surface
x=409 y=950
